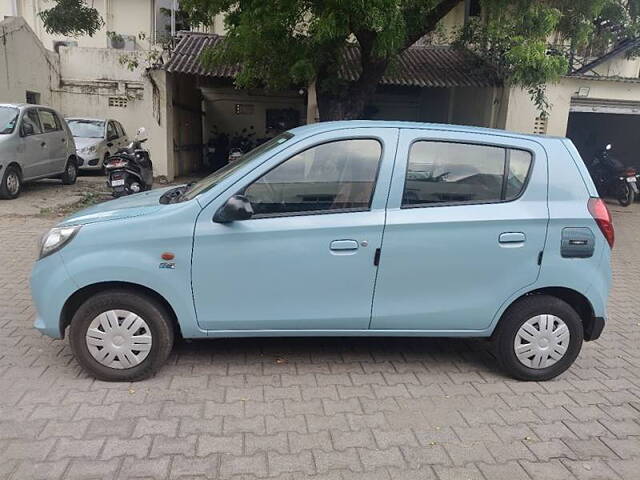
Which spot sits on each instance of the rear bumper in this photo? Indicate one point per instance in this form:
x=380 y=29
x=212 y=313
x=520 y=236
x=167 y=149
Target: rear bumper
x=593 y=328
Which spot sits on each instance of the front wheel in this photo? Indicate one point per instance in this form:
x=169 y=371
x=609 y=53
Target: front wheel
x=538 y=338
x=70 y=173
x=10 y=183
x=124 y=336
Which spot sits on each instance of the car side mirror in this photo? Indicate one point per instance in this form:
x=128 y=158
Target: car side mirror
x=238 y=207
x=27 y=129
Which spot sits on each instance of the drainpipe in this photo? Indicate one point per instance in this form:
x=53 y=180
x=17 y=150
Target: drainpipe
x=174 y=6
x=14 y=8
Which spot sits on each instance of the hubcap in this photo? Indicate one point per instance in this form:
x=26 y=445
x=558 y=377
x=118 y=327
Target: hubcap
x=13 y=183
x=118 y=339
x=541 y=341
x=71 y=171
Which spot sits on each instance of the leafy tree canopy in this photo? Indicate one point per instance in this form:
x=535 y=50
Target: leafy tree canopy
x=71 y=18
x=282 y=43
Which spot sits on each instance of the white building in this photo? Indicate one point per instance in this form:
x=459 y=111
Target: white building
x=179 y=102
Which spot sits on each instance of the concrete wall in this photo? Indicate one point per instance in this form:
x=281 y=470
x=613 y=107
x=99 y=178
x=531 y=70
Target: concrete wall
x=25 y=65
x=521 y=112
x=473 y=106
x=85 y=63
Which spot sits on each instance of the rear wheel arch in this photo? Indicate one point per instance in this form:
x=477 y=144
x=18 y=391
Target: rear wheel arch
x=573 y=298
x=80 y=296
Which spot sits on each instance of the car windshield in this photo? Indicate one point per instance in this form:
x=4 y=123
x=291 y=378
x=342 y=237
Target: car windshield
x=86 y=128
x=8 y=119
x=216 y=177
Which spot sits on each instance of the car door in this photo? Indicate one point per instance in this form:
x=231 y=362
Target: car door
x=55 y=138
x=32 y=151
x=465 y=230
x=305 y=260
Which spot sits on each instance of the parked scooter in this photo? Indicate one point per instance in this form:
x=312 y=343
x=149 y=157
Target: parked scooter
x=613 y=178
x=130 y=169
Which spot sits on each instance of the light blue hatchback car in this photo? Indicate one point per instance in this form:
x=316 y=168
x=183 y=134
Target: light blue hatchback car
x=342 y=228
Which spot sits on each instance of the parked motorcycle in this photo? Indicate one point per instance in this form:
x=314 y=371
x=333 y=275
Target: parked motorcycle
x=613 y=178
x=130 y=170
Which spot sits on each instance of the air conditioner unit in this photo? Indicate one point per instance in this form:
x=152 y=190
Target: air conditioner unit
x=121 y=42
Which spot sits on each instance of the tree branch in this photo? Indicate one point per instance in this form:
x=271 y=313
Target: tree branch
x=430 y=21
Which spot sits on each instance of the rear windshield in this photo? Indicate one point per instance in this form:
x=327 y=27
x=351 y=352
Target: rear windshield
x=86 y=128
x=8 y=119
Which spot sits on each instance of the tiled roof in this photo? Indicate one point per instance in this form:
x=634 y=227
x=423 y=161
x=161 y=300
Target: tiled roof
x=419 y=66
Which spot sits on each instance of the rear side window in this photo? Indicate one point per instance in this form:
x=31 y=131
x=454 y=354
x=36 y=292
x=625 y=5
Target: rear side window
x=459 y=173
x=48 y=121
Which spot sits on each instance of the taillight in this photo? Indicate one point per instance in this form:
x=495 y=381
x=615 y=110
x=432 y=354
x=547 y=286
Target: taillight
x=600 y=213
x=630 y=172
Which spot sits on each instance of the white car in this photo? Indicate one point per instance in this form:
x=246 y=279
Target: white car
x=96 y=139
x=35 y=142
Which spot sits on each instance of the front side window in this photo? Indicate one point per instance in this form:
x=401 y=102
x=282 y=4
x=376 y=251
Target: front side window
x=447 y=172
x=335 y=176
x=48 y=121
x=30 y=123
x=112 y=133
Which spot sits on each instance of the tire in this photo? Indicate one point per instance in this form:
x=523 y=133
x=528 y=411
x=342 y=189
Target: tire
x=156 y=324
x=11 y=183
x=70 y=174
x=527 y=310
x=627 y=195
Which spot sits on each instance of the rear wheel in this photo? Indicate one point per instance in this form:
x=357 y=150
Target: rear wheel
x=11 y=183
x=70 y=172
x=118 y=335
x=538 y=338
x=626 y=196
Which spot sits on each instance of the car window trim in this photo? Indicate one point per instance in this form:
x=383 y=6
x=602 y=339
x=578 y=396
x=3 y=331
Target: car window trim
x=508 y=149
x=262 y=216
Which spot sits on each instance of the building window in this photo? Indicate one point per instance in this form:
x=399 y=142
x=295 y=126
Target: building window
x=540 y=125
x=32 y=97
x=120 y=102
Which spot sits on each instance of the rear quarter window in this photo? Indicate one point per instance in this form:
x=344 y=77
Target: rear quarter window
x=445 y=173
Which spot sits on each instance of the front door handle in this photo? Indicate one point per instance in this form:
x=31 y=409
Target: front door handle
x=344 y=245
x=43 y=144
x=512 y=237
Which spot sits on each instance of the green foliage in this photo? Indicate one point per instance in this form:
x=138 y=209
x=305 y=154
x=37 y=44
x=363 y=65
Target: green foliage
x=71 y=18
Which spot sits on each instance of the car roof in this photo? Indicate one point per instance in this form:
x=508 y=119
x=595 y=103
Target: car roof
x=26 y=105
x=88 y=119
x=321 y=127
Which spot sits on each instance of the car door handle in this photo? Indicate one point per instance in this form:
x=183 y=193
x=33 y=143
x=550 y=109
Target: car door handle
x=63 y=140
x=341 y=245
x=512 y=237
x=43 y=144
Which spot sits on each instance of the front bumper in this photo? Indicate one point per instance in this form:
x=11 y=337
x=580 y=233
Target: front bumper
x=51 y=286
x=89 y=162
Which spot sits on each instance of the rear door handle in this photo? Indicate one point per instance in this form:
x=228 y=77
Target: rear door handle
x=341 y=245
x=512 y=237
x=43 y=144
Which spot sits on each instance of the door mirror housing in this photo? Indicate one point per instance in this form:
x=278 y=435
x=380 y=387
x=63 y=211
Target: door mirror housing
x=141 y=134
x=608 y=147
x=27 y=129
x=238 y=207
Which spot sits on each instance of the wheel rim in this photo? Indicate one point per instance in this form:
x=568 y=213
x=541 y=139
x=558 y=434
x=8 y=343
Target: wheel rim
x=71 y=171
x=119 y=339
x=13 y=183
x=541 y=341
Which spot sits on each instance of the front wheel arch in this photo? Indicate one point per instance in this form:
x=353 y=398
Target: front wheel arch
x=74 y=301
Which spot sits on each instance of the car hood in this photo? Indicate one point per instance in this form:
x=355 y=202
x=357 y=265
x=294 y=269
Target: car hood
x=124 y=207
x=84 y=142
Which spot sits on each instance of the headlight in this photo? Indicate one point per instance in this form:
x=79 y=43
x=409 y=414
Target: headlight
x=56 y=238
x=86 y=150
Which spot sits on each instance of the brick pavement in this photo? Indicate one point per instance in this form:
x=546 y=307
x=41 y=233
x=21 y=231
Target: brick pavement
x=318 y=408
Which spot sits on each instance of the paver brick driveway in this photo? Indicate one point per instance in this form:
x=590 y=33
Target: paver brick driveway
x=318 y=408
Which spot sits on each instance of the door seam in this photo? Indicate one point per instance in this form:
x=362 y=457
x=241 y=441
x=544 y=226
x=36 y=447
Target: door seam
x=384 y=226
